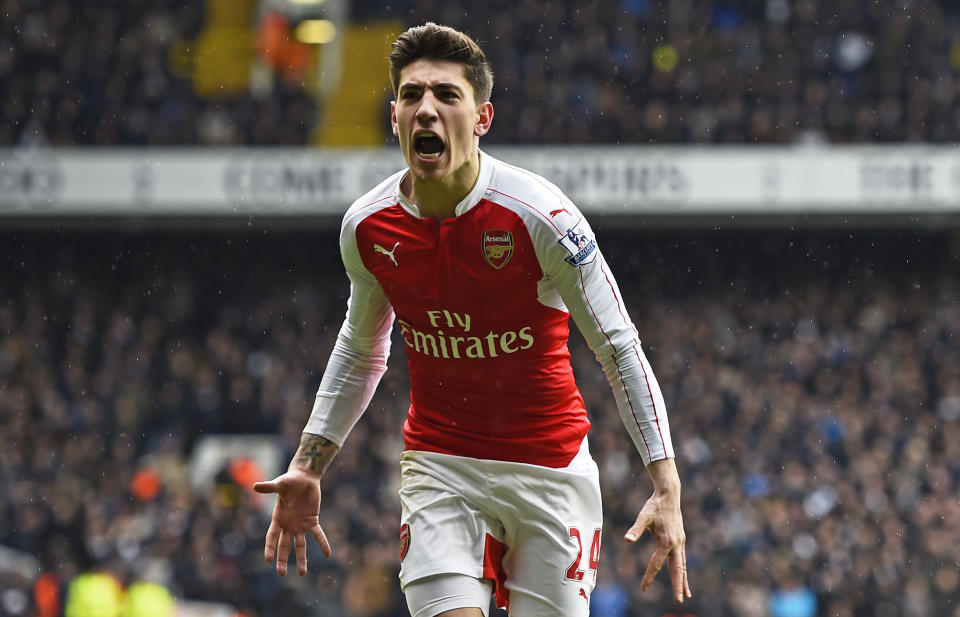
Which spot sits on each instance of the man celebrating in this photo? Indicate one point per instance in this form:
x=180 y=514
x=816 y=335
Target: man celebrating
x=481 y=264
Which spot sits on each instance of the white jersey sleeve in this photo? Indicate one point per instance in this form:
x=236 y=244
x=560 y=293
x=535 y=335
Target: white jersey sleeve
x=574 y=266
x=359 y=357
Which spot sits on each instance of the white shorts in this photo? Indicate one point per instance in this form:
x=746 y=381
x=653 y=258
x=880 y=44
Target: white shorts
x=533 y=531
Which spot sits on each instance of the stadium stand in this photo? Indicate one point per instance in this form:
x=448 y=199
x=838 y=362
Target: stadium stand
x=130 y=73
x=811 y=376
x=636 y=71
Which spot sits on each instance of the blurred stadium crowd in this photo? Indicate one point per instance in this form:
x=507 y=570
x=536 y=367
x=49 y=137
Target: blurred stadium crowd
x=659 y=71
x=811 y=378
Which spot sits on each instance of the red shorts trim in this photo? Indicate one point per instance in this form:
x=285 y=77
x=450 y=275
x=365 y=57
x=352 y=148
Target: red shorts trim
x=493 y=569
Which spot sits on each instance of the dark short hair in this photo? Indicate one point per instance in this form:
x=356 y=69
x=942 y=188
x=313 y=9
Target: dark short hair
x=436 y=42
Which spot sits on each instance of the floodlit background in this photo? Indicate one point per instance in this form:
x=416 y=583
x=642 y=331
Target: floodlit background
x=776 y=185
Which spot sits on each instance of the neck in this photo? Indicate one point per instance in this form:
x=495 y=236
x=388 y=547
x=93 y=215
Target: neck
x=439 y=198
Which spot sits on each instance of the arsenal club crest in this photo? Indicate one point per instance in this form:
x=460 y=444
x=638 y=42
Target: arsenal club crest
x=404 y=540
x=497 y=247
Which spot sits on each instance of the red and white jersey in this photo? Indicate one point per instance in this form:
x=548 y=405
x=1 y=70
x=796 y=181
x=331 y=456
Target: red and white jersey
x=483 y=301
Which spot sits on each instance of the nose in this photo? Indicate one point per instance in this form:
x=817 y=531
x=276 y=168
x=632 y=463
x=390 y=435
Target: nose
x=427 y=111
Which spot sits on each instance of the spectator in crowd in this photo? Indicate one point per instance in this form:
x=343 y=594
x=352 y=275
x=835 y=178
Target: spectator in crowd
x=819 y=370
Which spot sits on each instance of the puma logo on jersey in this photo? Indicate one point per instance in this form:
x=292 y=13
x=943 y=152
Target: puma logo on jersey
x=556 y=212
x=583 y=594
x=379 y=249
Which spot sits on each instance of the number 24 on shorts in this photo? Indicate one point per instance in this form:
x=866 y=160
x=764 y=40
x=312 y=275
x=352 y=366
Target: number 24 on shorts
x=574 y=572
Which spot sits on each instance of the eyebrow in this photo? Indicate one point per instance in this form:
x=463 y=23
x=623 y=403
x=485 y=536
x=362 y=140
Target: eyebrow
x=443 y=85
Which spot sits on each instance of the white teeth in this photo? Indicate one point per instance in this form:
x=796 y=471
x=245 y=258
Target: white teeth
x=429 y=157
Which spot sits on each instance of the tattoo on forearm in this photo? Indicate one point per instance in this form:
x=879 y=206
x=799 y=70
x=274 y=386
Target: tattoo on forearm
x=315 y=453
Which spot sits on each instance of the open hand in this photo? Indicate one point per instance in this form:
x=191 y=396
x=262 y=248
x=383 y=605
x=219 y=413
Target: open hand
x=294 y=515
x=661 y=515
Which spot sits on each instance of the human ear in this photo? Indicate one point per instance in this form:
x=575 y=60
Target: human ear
x=484 y=119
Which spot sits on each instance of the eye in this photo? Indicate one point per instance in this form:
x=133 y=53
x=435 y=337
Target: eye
x=449 y=95
x=409 y=95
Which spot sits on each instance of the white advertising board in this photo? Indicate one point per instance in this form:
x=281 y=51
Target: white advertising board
x=625 y=180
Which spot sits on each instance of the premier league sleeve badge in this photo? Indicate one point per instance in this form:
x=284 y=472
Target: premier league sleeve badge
x=579 y=242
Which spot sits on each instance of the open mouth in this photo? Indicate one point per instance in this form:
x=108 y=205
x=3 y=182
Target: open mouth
x=428 y=146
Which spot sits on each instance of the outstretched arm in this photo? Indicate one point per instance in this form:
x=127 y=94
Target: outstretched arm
x=588 y=289
x=358 y=360
x=661 y=515
x=298 y=503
